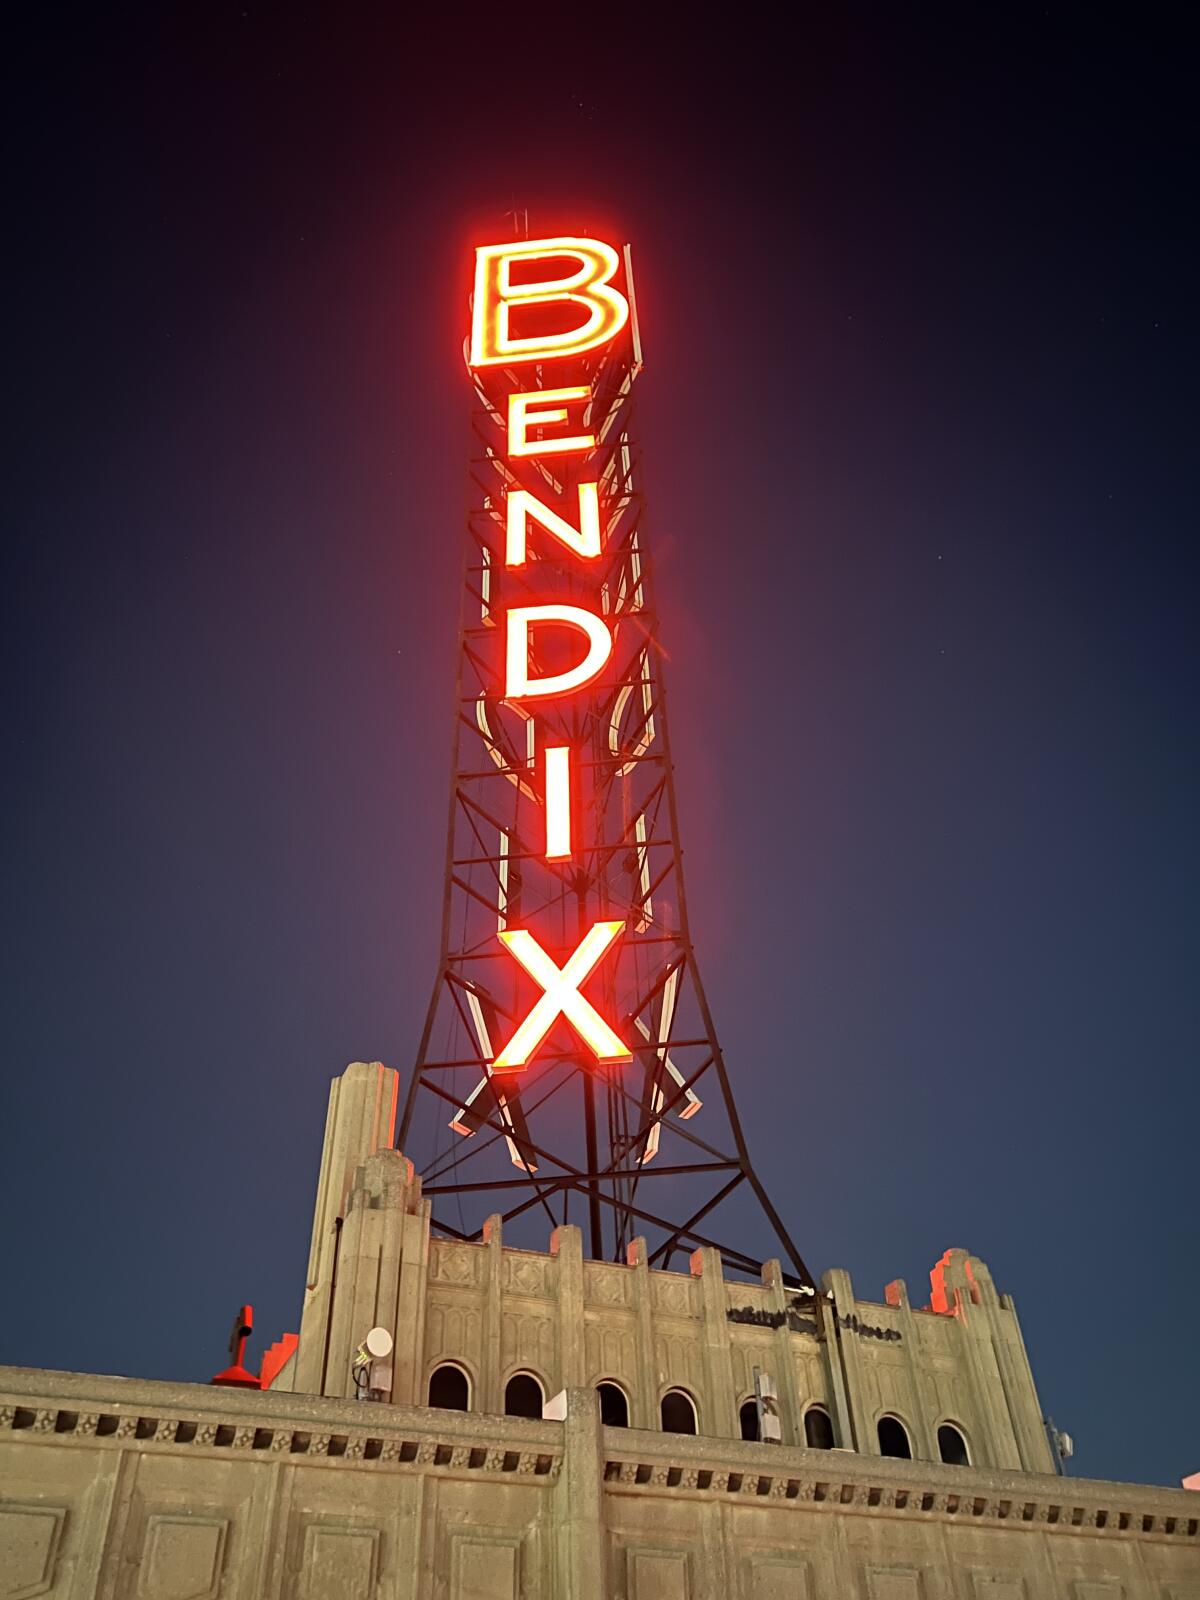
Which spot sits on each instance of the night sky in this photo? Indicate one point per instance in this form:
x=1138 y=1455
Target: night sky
x=918 y=417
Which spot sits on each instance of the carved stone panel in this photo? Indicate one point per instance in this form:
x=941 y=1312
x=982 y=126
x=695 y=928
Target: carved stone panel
x=936 y=1333
x=454 y=1263
x=526 y=1274
x=483 y=1568
x=748 y=1354
x=606 y=1285
x=997 y=1586
x=673 y=1293
x=452 y=1333
x=953 y=1397
x=657 y=1575
x=611 y=1348
x=341 y=1561
x=29 y=1538
x=753 y=1295
x=777 y=1578
x=183 y=1557
x=810 y=1376
x=894 y=1583
x=528 y=1340
x=678 y=1359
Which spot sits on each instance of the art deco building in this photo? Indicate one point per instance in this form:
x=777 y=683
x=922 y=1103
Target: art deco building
x=555 y=1428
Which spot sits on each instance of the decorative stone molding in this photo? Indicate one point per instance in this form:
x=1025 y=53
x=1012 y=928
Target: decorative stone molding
x=466 y=1446
x=92 y=1413
x=871 y=1485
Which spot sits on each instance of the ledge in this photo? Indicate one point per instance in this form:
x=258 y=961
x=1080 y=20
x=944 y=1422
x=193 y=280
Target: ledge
x=58 y=1407
x=843 y=1481
x=85 y=1409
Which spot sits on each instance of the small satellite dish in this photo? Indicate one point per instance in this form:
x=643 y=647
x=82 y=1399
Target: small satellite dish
x=378 y=1344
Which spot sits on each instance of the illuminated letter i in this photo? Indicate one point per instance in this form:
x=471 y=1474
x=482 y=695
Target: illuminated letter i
x=558 y=802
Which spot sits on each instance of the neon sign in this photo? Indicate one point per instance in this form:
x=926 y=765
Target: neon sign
x=567 y=977
x=527 y=411
x=518 y=685
x=522 y=505
x=497 y=297
x=560 y=995
x=529 y=296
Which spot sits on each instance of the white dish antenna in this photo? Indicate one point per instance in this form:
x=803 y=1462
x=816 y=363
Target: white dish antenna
x=378 y=1344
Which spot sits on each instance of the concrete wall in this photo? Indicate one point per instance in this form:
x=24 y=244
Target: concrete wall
x=117 y=1488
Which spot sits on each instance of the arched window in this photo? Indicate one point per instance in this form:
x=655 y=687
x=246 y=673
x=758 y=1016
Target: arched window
x=678 y=1412
x=614 y=1407
x=449 y=1388
x=952 y=1447
x=818 y=1429
x=523 y=1396
x=748 y=1417
x=893 y=1439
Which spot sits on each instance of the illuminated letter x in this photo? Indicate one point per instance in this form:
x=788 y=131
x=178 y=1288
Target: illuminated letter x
x=561 y=997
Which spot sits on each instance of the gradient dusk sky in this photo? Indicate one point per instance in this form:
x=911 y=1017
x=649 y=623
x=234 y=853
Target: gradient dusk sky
x=919 y=307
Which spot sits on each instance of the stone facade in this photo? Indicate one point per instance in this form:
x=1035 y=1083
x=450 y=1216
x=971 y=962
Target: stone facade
x=116 y=1488
x=495 y=1312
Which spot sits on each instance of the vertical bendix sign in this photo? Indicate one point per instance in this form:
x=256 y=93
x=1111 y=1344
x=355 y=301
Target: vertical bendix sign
x=538 y=306
x=568 y=1035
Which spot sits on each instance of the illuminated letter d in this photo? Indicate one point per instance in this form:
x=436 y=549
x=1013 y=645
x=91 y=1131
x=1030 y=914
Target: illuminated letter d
x=518 y=685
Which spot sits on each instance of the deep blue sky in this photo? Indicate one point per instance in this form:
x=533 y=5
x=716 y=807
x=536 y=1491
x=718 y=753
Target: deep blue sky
x=919 y=426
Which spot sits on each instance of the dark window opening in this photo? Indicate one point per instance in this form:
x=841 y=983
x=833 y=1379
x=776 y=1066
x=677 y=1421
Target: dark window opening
x=678 y=1412
x=952 y=1447
x=893 y=1439
x=522 y=1396
x=449 y=1389
x=748 y=1417
x=818 y=1429
x=614 y=1407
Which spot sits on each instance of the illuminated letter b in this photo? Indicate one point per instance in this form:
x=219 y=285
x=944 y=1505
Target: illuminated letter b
x=492 y=342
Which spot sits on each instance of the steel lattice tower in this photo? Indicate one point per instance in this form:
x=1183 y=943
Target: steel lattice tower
x=653 y=1145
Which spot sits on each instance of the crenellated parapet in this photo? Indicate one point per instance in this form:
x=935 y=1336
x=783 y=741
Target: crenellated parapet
x=848 y=1372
